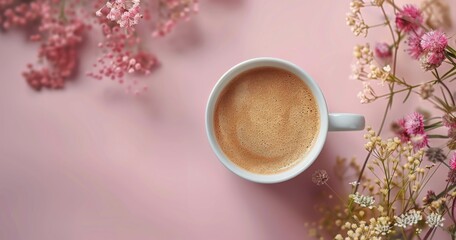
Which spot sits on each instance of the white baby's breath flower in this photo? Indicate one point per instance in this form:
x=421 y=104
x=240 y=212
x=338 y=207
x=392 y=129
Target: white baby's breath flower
x=363 y=201
x=356 y=5
x=368 y=94
x=378 y=73
x=356 y=23
x=434 y=220
x=354 y=183
x=363 y=54
x=357 y=72
x=383 y=226
x=408 y=219
x=387 y=68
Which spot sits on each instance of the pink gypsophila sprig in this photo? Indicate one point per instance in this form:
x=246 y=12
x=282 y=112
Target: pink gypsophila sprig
x=170 y=12
x=122 y=53
x=121 y=57
x=60 y=34
x=126 y=13
x=409 y=18
x=13 y=14
x=60 y=26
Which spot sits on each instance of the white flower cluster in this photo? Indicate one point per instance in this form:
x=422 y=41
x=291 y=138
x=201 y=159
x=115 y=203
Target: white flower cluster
x=382 y=226
x=367 y=95
x=410 y=218
x=355 y=20
x=434 y=220
x=363 y=201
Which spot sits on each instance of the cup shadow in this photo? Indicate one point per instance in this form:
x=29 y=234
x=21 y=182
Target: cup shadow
x=299 y=197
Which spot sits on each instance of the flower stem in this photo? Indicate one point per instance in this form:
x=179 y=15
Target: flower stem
x=370 y=151
x=437 y=136
x=335 y=193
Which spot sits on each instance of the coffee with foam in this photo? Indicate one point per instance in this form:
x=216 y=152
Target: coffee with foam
x=266 y=120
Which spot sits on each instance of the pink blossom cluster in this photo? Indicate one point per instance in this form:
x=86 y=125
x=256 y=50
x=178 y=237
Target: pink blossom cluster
x=120 y=58
x=433 y=44
x=449 y=121
x=5 y=3
x=60 y=33
x=126 y=13
x=18 y=15
x=60 y=26
x=170 y=12
x=411 y=128
x=59 y=49
x=428 y=47
x=122 y=54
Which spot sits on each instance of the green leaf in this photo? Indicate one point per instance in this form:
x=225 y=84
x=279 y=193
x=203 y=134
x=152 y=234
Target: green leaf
x=444 y=106
x=408 y=95
x=450 y=57
x=451 y=70
x=437 y=136
x=444 y=96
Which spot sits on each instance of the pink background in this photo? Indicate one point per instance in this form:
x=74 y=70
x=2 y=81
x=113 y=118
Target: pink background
x=91 y=162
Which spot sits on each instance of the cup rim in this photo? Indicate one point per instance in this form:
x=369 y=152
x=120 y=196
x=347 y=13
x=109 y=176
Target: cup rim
x=310 y=156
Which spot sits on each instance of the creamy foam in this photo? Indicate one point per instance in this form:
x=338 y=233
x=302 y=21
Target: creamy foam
x=266 y=120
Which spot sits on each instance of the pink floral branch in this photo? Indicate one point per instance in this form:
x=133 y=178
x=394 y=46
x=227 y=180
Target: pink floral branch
x=60 y=26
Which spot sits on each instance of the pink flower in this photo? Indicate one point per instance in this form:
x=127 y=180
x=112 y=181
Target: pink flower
x=58 y=52
x=428 y=48
x=413 y=124
x=434 y=41
x=382 y=51
x=409 y=19
x=401 y=132
x=419 y=141
x=125 y=12
x=121 y=58
x=411 y=128
x=20 y=14
x=131 y=17
x=453 y=161
x=431 y=60
x=171 y=12
x=449 y=121
x=414 y=42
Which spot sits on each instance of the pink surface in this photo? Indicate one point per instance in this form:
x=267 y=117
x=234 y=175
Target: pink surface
x=90 y=162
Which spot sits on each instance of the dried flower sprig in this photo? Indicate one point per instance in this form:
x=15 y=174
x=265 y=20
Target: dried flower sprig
x=385 y=201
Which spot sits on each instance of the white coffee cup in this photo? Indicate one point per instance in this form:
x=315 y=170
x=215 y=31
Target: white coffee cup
x=328 y=121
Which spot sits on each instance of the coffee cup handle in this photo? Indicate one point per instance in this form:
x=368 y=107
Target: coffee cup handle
x=345 y=122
